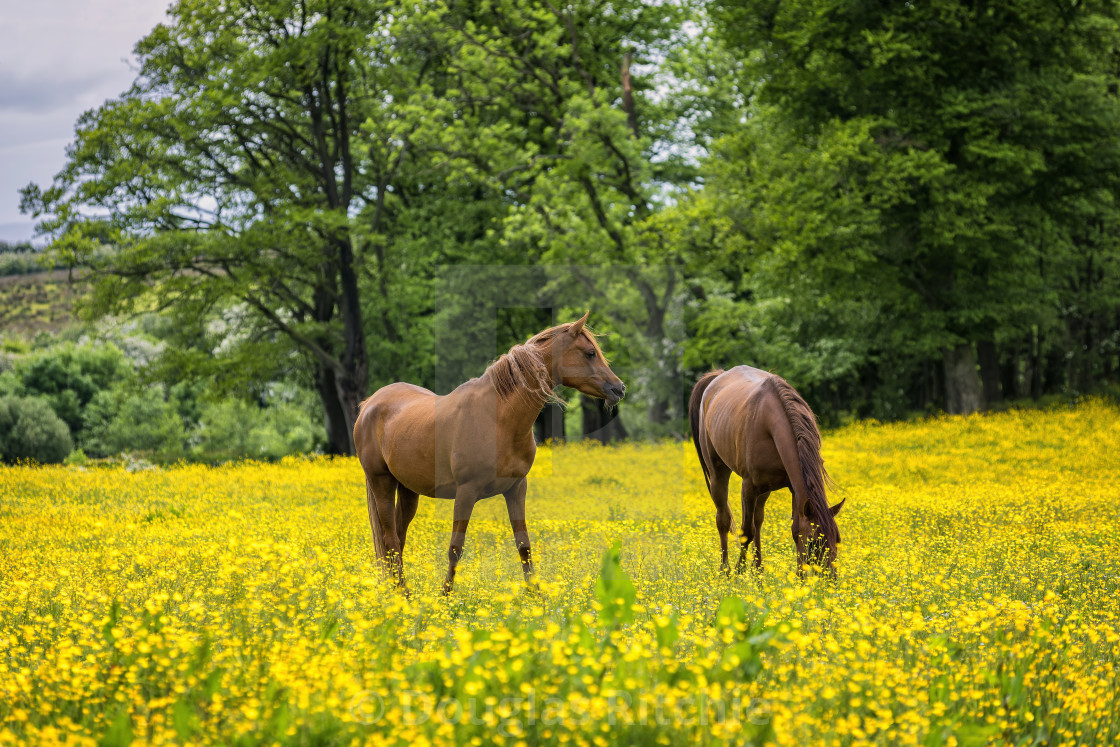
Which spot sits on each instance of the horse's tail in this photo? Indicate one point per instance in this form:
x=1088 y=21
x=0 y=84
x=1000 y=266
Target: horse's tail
x=807 y=440
x=694 y=419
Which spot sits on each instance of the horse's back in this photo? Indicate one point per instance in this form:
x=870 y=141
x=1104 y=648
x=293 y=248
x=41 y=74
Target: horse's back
x=739 y=413
x=737 y=390
x=395 y=396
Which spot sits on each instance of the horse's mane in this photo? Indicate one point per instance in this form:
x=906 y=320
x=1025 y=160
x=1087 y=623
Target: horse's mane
x=808 y=438
x=522 y=370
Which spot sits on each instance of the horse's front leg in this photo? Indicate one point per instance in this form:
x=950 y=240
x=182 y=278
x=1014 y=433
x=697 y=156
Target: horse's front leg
x=464 y=505
x=515 y=505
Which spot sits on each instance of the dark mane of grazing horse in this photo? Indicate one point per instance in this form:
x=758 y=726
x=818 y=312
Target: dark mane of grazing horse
x=808 y=438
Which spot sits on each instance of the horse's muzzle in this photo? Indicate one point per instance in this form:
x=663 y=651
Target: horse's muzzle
x=614 y=393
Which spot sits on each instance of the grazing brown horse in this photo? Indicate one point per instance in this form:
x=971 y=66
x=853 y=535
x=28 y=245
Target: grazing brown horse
x=470 y=444
x=755 y=424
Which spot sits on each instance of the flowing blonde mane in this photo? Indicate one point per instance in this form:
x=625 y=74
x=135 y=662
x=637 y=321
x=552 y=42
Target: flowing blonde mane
x=523 y=371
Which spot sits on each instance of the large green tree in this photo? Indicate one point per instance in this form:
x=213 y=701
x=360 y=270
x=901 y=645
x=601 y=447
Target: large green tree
x=912 y=175
x=569 y=112
x=253 y=161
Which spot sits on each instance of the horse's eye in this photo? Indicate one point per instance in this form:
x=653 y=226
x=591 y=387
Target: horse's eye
x=590 y=353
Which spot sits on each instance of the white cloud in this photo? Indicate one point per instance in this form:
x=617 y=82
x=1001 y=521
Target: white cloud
x=58 y=58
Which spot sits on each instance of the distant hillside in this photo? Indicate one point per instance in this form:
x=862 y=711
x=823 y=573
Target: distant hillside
x=37 y=302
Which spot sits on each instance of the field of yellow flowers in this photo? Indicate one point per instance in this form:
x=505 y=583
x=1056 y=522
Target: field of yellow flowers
x=977 y=602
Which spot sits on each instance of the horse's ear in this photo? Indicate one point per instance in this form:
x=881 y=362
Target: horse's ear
x=577 y=325
x=836 y=509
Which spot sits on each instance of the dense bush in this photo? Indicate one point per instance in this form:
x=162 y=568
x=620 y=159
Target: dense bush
x=20 y=259
x=104 y=393
x=126 y=419
x=231 y=429
x=20 y=264
x=68 y=376
x=29 y=429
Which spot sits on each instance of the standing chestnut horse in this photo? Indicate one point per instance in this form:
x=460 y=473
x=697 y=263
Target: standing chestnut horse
x=471 y=444
x=755 y=424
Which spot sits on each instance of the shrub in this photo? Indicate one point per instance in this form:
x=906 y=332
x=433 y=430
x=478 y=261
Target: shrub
x=77 y=458
x=12 y=263
x=29 y=429
x=232 y=429
x=68 y=376
x=124 y=420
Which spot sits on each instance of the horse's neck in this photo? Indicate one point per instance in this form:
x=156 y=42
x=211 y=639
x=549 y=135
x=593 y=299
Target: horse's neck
x=547 y=360
x=520 y=409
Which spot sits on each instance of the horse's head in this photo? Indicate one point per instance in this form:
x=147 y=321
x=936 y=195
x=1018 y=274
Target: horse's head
x=579 y=363
x=812 y=545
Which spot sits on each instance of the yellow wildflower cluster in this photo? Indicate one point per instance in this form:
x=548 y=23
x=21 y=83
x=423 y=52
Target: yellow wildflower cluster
x=977 y=602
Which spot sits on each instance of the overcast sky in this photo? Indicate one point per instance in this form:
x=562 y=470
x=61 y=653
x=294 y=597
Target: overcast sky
x=58 y=58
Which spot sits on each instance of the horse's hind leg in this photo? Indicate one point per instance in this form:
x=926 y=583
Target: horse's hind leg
x=515 y=505
x=382 y=491
x=720 y=476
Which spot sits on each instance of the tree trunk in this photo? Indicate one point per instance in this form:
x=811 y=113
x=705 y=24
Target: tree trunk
x=600 y=422
x=549 y=425
x=1054 y=369
x=1009 y=374
x=658 y=411
x=963 y=390
x=989 y=370
x=925 y=391
x=355 y=360
x=1032 y=377
x=340 y=426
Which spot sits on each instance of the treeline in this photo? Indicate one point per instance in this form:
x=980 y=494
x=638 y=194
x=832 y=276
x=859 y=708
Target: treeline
x=24 y=258
x=94 y=400
x=20 y=258
x=899 y=207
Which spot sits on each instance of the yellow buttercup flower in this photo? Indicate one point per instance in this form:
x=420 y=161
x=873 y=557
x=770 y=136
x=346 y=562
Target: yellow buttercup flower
x=976 y=602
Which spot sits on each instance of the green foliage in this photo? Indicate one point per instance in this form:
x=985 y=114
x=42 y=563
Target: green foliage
x=20 y=263
x=236 y=171
x=127 y=419
x=857 y=196
x=614 y=590
x=579 y=127
x=77 y=458
x=232 y=429
x=30 y=430
x=910 y=179
x=746 y=636
x=68 y=376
